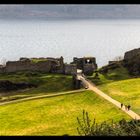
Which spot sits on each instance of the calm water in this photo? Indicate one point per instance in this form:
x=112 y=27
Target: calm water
x=104 y=39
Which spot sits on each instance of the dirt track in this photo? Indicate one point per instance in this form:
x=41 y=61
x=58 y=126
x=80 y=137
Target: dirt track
x=43 y=96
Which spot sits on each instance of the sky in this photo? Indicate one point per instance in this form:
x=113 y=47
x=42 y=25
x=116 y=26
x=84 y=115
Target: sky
x=68 y=11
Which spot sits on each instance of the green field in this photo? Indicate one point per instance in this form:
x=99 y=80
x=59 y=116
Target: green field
x=55 y=115
x=125 y=91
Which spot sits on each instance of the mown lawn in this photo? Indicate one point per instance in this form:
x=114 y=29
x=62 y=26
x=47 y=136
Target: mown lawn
x=125 y=91
x=55 y=115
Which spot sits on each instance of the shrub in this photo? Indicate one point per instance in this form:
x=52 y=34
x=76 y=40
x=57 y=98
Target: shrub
x=121 y=128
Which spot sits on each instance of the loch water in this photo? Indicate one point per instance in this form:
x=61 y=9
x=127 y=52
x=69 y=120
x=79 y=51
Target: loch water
x=103 y=39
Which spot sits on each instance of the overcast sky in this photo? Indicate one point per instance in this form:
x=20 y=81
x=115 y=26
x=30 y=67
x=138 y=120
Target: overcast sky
x=69 y=11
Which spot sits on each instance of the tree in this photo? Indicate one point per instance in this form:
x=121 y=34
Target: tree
x=118 y=58
x=3 y=61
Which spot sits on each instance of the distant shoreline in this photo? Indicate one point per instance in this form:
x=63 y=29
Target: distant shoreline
x=11 y=19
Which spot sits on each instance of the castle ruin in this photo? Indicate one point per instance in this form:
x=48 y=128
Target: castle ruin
x=86 y=64
x=51 y=65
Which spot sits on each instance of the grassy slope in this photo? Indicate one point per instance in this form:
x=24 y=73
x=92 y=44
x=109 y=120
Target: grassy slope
x=125 y=91
x=112 y=75
x=56 y=115
x=47 y=83
x=121 y=86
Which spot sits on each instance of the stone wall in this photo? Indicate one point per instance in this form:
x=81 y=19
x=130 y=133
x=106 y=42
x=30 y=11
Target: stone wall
x=70 y=69
x=130 y=54
x=112 y=62
x=51 y=65
x=111 y=66
x=88 y=69
x=132 y=61
x=76 y=83
x=42 y=66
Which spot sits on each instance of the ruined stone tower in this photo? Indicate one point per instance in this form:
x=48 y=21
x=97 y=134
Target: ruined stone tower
x=86 y=64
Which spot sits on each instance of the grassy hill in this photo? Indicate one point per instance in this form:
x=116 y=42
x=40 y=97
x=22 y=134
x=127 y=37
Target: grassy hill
x=47 y=84
x=125 y=91
x=55 y=115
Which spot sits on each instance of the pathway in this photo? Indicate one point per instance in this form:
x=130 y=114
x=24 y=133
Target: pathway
x=43 y=96
x=92 y=87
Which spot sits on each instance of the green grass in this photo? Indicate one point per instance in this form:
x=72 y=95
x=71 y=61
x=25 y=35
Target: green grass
x=112 y=75
x=125 y=91
x=47 y=83
x=55 y=115
x=35 y=60
x=121 y=86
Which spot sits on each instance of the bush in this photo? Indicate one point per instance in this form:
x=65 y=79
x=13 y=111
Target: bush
x=6 y=85
x=121 y=128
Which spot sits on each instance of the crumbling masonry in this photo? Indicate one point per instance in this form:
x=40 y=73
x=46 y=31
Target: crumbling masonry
x=51 y=65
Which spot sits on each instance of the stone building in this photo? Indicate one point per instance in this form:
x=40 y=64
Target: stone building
x=86 y=64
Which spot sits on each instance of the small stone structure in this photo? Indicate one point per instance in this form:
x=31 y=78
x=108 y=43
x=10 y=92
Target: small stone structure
x=76 y=83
